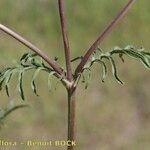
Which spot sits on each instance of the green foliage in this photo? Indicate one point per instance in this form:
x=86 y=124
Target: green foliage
x=29 y=61
x=100 y=57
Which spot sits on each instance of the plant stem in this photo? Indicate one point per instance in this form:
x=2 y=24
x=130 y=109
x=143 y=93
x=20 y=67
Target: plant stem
x=71 y=115
x=65 y=38
x=103 y=35
x=40 y=52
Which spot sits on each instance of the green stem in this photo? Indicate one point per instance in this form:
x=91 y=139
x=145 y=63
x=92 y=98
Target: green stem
x=71 y=116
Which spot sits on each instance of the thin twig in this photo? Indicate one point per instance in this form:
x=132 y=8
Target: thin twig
x=65 y=38
x=13 y=109
x=103 y=35
x=41 y=53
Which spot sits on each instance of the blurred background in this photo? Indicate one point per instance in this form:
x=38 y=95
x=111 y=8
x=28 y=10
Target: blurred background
x=109 y=116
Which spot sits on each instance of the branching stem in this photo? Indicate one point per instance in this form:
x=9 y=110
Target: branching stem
x=41 y=53
x=102 y=36
x=67 y=79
